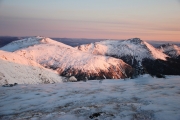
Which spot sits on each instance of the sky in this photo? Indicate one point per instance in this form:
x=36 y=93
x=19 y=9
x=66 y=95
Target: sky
x=104 y=19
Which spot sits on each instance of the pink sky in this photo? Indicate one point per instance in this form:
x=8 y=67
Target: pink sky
x=117 y=19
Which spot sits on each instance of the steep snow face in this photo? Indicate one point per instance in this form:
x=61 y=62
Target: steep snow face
x=68 y=61
x=170 y=49
x=24 y=43
x=134 y=48
x=17 y=69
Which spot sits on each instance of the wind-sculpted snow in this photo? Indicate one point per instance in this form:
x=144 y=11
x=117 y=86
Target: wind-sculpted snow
x=135 y=48
x=68 y=61
x=17 y=69
x=170 y=49
x=143 y=98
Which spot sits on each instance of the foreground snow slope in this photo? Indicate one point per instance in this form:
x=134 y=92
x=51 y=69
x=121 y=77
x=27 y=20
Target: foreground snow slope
x=17 y=69
x=135 y=47
x=68 y=61
x=144 y=98
x=170 y=49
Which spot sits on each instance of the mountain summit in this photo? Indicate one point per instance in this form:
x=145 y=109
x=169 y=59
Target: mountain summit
x=134 y=48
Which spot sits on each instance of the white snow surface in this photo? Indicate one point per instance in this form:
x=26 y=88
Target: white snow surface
x=143 y=98
x=17 y=69
x=61 y=57
x=132 y=47
x=171 y=50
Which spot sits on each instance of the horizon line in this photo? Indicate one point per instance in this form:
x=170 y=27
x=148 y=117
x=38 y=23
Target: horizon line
x=90 y=38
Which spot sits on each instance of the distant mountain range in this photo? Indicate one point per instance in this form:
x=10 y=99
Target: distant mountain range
x=4 y=40
x=68 y=61
x=110 y=59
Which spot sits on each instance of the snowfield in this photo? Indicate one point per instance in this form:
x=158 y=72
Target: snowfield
x=143 y=98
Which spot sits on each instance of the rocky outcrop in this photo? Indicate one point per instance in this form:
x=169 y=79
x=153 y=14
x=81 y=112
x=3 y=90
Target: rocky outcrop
x=72 y=79
x=112 y=72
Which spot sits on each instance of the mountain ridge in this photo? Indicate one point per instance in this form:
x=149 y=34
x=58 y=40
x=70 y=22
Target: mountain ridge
x=135 y=47
x=68 y=61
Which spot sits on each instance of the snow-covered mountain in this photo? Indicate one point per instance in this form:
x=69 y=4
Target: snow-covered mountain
x=170 y=49
x=133 y=48
x=68 y=61
x=17 y=69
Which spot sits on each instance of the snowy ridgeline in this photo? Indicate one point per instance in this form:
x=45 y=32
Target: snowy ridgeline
x=135 y=47
x=143 y=98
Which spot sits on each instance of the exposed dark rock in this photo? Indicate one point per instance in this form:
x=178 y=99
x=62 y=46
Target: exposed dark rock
x=8 y=85
x=159 y=68
x=94 y=115
x=15 y=84
x=72 y=79
x=113 y=72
